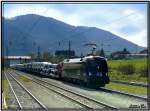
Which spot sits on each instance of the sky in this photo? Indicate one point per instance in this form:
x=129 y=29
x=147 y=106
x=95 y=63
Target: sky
x=128 y=21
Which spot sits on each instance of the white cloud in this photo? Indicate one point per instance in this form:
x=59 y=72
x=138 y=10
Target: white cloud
x=139 y=38
x=136 y=23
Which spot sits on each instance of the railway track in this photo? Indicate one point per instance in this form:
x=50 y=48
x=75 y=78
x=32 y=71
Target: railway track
x=124 y=93
x=24 y=99
x=102 y=89
x=86 y=102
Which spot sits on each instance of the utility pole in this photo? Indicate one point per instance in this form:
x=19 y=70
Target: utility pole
x=7 y=62
x=6 y=50
x=69 y=49
x=34 y=47
x=59 y=46
x=38 y=53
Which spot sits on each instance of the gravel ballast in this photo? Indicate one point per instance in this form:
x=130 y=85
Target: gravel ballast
x=26 y=101
x=118 y=100
x=49 y=98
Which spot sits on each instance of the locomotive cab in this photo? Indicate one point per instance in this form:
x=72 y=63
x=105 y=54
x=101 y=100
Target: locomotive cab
x=97 y=71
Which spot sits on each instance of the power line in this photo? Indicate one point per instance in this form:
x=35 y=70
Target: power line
x=120 y=18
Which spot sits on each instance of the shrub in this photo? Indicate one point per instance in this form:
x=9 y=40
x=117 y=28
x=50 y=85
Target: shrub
x=127 y=69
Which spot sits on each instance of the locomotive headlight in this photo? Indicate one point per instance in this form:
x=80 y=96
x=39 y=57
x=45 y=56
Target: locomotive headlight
x=90 y=74
x=106 y=74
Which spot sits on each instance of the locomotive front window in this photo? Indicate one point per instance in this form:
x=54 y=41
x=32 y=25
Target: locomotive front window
x=102 y=64
x=92 y=66
x=96 y=65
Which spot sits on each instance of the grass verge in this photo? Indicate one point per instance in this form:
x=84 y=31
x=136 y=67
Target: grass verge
x=132 y=70
x=127 y=88
x=5 y=89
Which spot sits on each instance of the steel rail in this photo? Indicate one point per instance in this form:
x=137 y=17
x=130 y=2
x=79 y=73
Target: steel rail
x=124 y=93
x=42 y=105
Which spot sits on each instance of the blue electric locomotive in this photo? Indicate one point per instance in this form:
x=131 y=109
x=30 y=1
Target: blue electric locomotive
x=90 y=70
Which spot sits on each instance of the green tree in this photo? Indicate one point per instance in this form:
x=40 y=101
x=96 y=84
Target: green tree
x=46 y=56
x=58 y=59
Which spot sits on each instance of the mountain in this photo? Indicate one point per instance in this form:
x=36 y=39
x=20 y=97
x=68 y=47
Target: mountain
x=23 y=34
